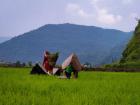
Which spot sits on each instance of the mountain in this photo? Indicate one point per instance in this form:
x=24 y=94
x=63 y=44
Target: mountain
x=3 y=39
x=131 y=55
x=92 y=44
x=116 y=53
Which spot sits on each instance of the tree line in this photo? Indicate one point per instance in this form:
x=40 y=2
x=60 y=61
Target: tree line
x=16 y=64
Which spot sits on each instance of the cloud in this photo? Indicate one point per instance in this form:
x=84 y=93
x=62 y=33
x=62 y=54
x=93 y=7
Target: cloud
x=94 y=1
x=104 y=16
x=127 y=1
x=75 y=9
x=134 y=15
x=100 y=14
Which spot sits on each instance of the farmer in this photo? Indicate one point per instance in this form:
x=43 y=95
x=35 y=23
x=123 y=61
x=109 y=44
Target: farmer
x=46 y=64
x=68 y=71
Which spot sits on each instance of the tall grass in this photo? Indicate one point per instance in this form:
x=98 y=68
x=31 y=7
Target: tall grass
x=18 y=87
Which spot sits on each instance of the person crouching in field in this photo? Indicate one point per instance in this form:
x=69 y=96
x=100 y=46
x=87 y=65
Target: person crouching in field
x=68 y=70
x=46 y=64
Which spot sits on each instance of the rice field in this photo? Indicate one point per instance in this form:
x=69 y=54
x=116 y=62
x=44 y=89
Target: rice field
x=18 y=87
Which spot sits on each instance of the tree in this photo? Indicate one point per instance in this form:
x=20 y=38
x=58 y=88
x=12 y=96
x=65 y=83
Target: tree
x=87 y=65
x=30 y=63
x=23 y=64
x=18 y=64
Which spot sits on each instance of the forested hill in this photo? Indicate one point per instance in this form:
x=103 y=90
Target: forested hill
x=132 y=51
x=92 y=44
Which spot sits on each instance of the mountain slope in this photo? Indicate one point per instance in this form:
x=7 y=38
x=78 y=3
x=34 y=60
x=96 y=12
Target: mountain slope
x=132 y=51
x=116 y=53
x=92 y=44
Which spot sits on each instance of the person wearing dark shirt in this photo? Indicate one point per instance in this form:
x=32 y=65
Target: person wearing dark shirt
x=68 y=71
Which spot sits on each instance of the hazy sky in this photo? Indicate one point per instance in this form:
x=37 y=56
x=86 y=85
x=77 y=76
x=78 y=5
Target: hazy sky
x=19 y=16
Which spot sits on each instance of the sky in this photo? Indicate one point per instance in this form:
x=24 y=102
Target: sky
x=20 y=16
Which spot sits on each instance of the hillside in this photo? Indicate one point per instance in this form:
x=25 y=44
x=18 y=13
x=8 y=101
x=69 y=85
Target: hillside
x=92 y=44
x=131 y=54
x=115 y=53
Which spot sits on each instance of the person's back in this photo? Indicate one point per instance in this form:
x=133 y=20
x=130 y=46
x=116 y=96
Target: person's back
x=68 y=71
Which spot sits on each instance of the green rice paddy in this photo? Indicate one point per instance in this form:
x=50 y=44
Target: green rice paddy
x=18 y=87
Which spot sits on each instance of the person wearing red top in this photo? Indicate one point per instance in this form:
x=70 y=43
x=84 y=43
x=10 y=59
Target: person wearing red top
x=46 y=62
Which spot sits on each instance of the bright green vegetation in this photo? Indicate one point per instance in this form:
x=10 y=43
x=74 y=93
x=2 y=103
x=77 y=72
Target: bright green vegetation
x=18 y=87
x=131 y=55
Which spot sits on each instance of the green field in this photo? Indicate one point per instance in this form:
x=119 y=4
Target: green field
x=18 y=87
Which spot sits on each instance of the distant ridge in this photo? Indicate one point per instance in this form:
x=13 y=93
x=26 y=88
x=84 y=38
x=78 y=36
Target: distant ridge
x=92 y=44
